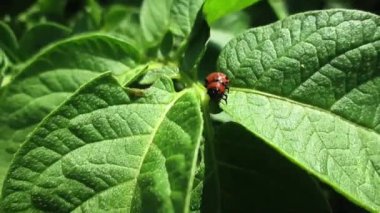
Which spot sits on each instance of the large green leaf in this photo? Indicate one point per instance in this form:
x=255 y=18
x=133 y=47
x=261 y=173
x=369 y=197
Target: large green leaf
x=309 y=86
x=52 y=76
x=108 y=150
x=215 y=9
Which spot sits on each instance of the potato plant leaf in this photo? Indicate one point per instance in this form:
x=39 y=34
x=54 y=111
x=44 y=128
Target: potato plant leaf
x=52 y=76
x=109 y=150
x=308 y=85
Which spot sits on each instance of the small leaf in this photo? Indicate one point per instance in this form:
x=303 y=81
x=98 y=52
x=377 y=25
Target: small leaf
x=154 y=74
x=196 y=45
x=215 y=9
x=280 y=8
x=104 y=150
x=183 y=15
x=309 y=86
x=52 y=76
x=155 y=20
x=41 y=35
x=95 y=11
x=124 y=21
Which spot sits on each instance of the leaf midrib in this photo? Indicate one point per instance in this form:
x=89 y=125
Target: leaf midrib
x=153 y=134
x=179 y=95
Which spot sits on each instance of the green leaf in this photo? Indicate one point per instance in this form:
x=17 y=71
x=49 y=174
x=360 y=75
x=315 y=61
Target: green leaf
x=124 y=21
x=195 y=45
x=215 y=9
x=309 y=86
x=154 y=74
x=253 y=176
x=89 y=19
x=5 y=67
x=51 y=7
x=197 y=191
x=52 y=76
x=43 y=10
x=94 y=10
x=8 y=41
x=105 y=150
x=279 y=7
x=183 y=15
x=159 y=21
x=155 y=20
x=41 y=35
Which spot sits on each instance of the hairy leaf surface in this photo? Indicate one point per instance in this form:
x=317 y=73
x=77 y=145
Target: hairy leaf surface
x=110 y=150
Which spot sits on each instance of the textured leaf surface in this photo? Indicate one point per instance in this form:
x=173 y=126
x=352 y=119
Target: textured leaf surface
x=318 y=73
x=51 y=77
x=215 y=9
x=106 y=150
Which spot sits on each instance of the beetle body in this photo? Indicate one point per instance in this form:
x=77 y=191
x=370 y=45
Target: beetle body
x=217 y=86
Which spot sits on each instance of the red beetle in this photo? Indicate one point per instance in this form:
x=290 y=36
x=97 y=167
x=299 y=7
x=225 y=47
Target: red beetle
x=217 y=86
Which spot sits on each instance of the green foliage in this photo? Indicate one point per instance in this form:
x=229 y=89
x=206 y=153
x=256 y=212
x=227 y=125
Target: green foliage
x=215 y=9
x=139 y=154
x=103 y=108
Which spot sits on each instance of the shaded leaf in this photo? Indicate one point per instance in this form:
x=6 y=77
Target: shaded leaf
x=253 y=176
x=8 y=42
x=195 y=45
x=41 y=35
